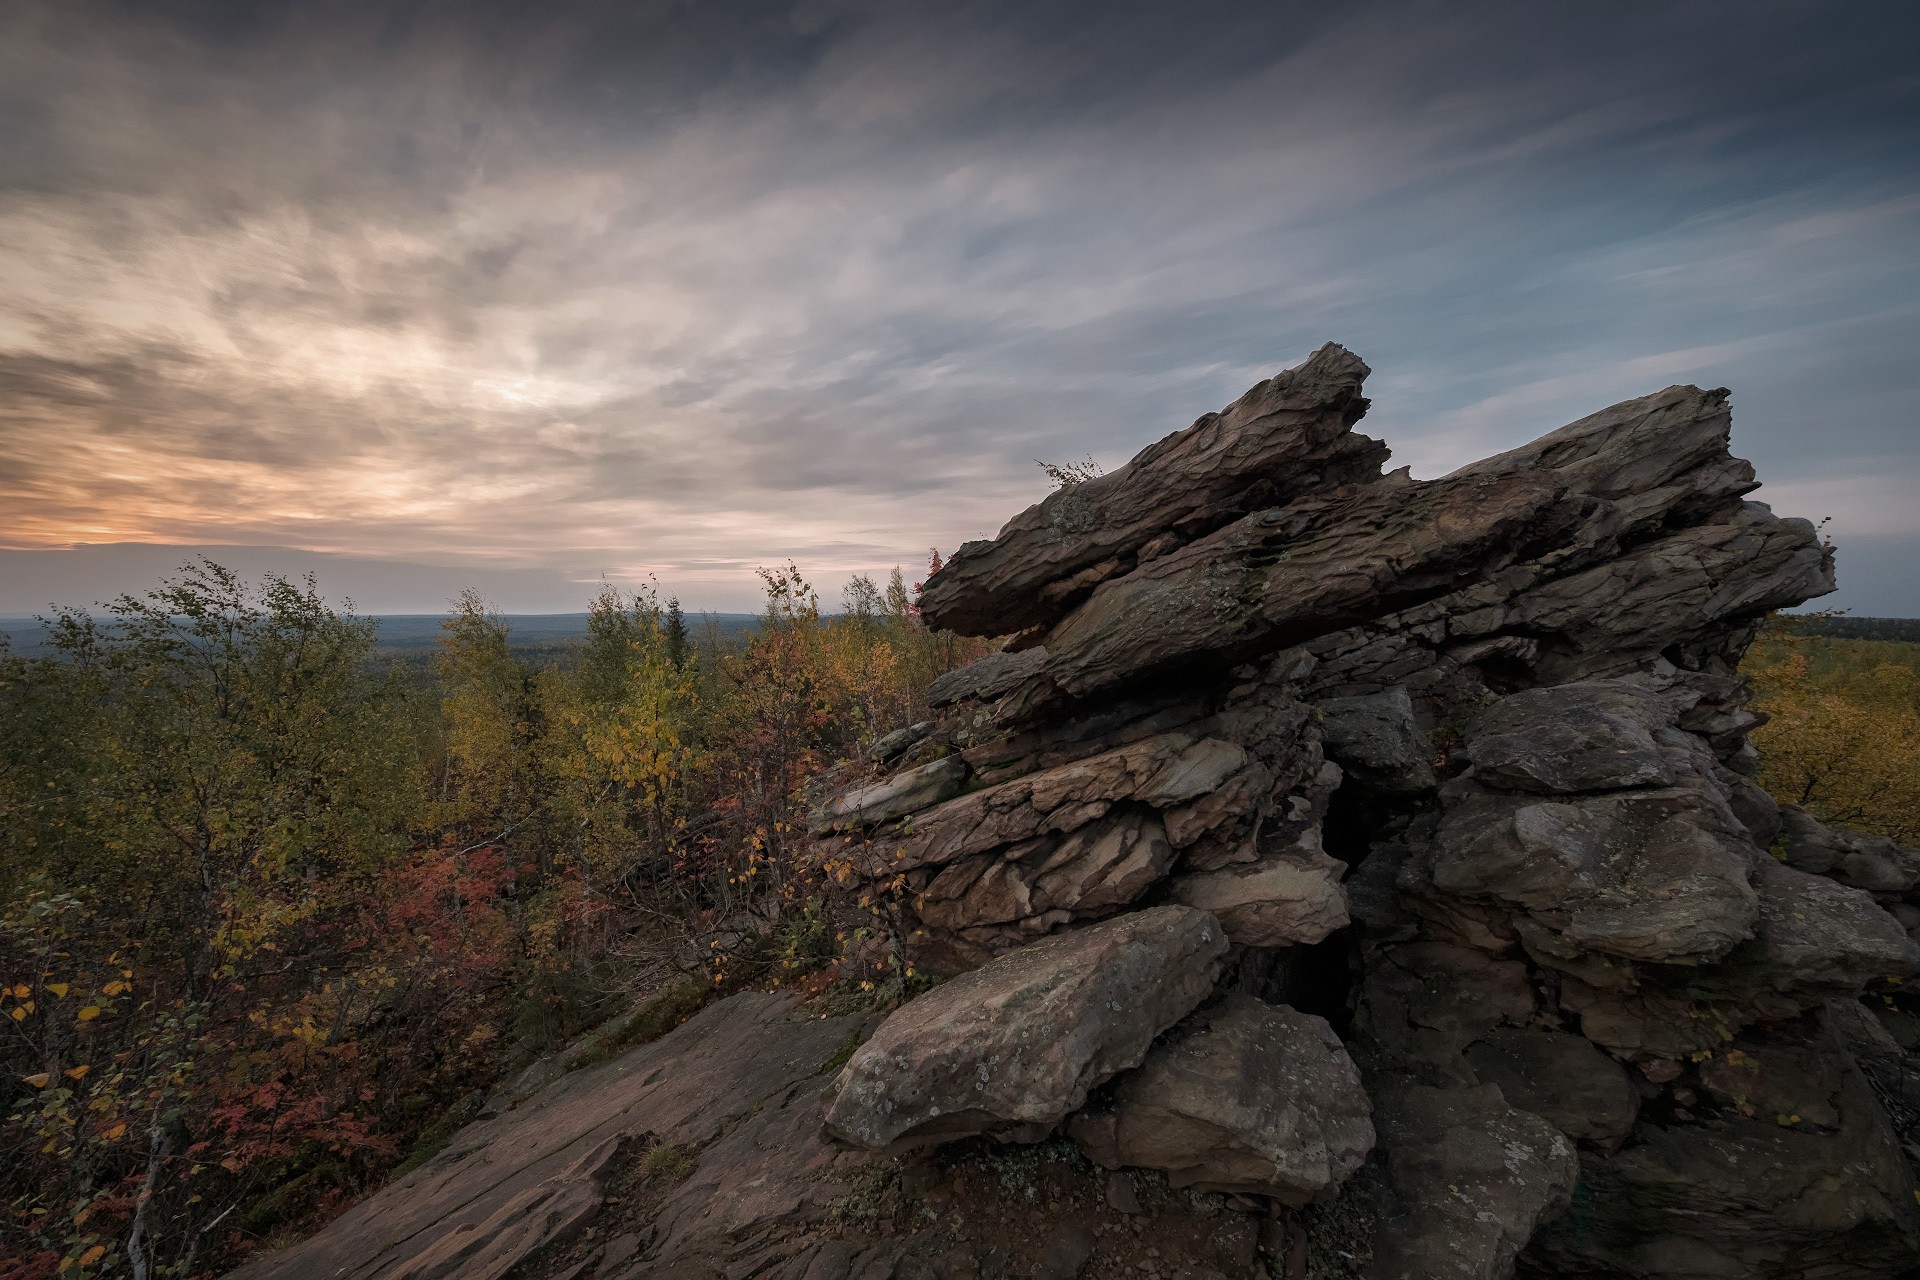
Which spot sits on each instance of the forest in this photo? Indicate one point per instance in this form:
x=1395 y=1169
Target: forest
x=278 y=914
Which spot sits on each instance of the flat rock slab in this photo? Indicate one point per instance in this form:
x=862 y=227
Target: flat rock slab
x=1288 y=898
x=1595 y=735
x=1243 y=1097
x=894 y=797
x=1014 y=1047
x=514 y=1185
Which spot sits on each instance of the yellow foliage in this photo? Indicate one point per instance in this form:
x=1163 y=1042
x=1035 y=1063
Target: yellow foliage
x=1843 y=738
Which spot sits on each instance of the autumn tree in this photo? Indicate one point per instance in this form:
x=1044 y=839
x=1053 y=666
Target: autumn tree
x=1843 y=737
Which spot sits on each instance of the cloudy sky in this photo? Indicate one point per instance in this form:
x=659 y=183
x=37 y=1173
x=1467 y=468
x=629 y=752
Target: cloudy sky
x=549 y=293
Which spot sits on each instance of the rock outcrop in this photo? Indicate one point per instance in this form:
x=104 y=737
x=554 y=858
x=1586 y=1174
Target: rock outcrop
x=1460 y=767
x=1329 y=847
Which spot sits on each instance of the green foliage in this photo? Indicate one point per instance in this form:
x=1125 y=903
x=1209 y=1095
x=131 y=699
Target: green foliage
x=276 y=912
x=668 y=1163
x=659 y=1014
x=1839 y=627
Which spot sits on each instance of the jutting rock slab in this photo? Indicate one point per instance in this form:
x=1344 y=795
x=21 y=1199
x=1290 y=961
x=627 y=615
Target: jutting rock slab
x=1013 y=1047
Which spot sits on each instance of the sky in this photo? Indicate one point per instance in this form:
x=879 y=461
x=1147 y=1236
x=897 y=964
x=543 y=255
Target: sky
x=546 y=296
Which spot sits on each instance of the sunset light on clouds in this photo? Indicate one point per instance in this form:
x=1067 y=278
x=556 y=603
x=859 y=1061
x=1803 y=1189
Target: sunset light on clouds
x=626 y=290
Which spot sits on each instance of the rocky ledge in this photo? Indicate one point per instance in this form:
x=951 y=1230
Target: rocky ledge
x=1334 y=874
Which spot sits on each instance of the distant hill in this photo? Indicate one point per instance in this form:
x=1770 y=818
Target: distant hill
x=403 y=633
x=1845 y=628
x=529 y=630
x=34 y=580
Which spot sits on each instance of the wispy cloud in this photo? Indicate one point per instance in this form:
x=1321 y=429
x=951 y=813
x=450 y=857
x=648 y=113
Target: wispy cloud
x=634 y=290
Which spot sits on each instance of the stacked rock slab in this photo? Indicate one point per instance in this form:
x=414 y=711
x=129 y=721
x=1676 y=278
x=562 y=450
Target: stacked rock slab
x=1458 y=769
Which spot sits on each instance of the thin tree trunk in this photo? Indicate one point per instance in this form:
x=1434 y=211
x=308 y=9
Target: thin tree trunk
x=137 y=1236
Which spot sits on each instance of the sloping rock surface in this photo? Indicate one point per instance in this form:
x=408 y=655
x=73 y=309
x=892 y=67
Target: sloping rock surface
x=517 y=1186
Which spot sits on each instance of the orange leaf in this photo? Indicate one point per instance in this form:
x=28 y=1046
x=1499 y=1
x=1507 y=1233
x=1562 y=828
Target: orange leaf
x=38 y=1081
x=89 y=1013
x=93 y=1255
x=77 y=1073
x=114 y=1134
x=58 y=988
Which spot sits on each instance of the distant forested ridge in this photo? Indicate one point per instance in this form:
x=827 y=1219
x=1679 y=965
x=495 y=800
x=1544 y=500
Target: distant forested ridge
x=1844 y=628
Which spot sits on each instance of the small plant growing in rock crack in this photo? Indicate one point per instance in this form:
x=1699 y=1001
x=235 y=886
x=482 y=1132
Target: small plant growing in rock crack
x=1065 y=475
x=668 y=1162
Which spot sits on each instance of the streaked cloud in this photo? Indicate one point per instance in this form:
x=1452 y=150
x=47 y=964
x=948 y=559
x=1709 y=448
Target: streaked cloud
x=620 y=290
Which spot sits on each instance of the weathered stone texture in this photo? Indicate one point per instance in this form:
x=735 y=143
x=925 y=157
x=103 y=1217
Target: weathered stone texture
x=1244 y=1097
x=1013 y=1047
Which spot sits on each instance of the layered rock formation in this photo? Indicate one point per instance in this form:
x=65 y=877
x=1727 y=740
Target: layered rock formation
x=1460 y=769
x=1325 y=852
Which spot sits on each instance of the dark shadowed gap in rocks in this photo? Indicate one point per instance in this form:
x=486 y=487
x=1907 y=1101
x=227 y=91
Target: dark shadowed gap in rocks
x=1316 y=978
x=1505 y=673
x=1319 y=977
x=1356 y=817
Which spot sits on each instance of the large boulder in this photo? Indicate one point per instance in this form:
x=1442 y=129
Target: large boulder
x=1792 y=1170
x=1869 y=862
x=1563 y=1078
x=1014 y=1047
x=1471 y=1179
x=1243 y=1097
x=1659 y=875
